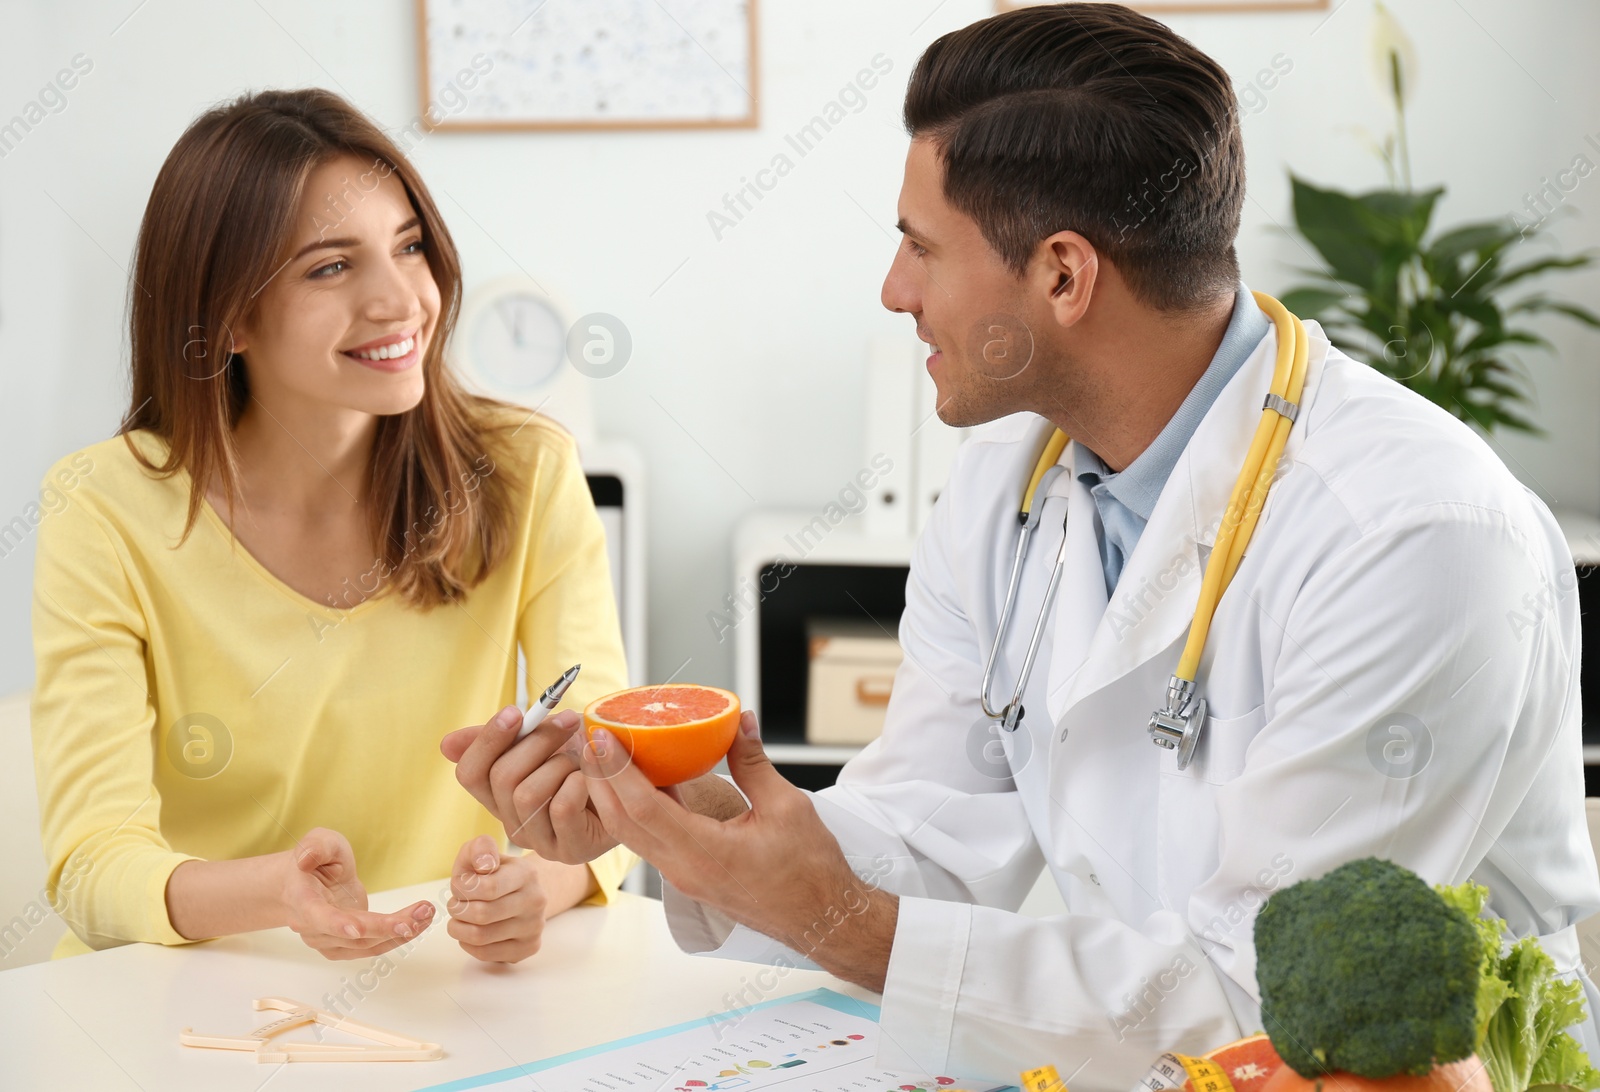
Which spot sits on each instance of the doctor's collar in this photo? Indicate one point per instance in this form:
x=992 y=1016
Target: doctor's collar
x=1138 y=485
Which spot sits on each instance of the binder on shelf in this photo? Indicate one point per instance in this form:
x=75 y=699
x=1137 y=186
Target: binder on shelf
x=891 y=389
x=934 y=446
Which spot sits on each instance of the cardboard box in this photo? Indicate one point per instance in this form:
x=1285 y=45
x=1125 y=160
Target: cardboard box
x=850 y=674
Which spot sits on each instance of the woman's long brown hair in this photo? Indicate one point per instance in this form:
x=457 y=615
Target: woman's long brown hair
x=219 y=221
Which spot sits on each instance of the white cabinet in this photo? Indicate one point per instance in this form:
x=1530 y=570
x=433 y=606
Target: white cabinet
x=788 y=568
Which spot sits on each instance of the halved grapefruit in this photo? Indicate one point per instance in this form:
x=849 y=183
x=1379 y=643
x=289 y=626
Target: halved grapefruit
x=1466 y=1075
x=675 y=732
x=1249 y=1063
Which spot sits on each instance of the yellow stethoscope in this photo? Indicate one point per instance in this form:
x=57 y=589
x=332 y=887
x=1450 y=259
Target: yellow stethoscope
x=1177 y=726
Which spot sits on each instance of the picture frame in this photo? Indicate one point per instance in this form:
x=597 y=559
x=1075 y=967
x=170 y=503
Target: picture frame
x=1183 y=7
x=525 y=65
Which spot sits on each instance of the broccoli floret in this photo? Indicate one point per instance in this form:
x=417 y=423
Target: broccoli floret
x=1368 y=971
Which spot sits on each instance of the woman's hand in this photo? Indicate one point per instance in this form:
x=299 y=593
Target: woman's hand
x=325 y=903
x=533 y=786
x=498 y=903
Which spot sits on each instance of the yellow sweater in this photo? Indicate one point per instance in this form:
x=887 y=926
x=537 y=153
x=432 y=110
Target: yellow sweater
x=190 y=704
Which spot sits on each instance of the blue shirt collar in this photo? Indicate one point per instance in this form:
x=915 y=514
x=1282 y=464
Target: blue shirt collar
x=1139 y=485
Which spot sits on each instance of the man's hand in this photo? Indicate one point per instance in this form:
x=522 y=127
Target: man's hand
x=533 y=787
x=775 y=868
x=498 y=905
x=325 y=903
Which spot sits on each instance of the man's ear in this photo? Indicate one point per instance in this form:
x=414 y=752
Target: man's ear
x=1068 y=267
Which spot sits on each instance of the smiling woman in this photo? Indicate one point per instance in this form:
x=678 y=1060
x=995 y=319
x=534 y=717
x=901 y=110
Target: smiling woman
x=238 y=246
x=244 y=667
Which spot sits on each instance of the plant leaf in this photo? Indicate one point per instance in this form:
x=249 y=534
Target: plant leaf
x=1340 y=229
x=1430 y=314
x=1311 y=302
x=1544 y=303
x=1521 y=272
x=1472 y=239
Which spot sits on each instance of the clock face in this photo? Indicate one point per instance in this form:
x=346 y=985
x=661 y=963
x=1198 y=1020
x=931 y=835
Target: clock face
x=518 y=342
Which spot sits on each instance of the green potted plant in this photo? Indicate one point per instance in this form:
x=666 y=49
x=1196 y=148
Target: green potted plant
x=1432 y=309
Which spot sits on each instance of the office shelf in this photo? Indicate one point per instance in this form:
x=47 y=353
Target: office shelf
x=848 y=573
x=813 y=754
x=790 y=567
x=1583 y=537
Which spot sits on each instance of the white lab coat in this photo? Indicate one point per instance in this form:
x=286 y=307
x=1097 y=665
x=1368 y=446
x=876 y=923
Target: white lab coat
x=1402 y=591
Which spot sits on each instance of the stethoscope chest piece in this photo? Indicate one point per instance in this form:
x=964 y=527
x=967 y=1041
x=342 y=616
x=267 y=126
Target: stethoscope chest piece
x=1178 y=726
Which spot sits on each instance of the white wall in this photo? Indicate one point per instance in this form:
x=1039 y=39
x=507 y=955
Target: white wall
x=756 y=344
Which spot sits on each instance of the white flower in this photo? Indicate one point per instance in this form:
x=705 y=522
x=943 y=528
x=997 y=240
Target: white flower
x=1390 y=44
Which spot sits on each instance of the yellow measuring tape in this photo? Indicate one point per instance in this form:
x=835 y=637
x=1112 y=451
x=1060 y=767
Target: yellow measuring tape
x=1045 y=1078
x=1169 y=1071
x=1172 y=1070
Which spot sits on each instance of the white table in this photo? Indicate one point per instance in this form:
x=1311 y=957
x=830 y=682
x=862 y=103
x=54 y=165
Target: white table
x=110 y=1020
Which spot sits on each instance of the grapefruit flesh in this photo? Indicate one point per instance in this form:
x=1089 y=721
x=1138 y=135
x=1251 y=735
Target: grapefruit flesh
x=1249 y=1063
x=674 y=732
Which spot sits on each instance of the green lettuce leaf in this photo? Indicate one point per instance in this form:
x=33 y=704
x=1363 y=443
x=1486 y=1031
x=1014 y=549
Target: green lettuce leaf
x=1565 y=1063
x=1524 y=1008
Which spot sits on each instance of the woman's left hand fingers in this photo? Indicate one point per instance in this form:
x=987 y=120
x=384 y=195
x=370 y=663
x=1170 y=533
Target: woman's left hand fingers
x=506 y=951
x=482 y=872
x=512 y=893
x=520 y=904
x=493 y=932
x=506 y=940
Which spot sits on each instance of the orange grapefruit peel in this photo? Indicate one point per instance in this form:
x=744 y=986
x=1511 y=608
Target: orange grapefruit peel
x=674 y=732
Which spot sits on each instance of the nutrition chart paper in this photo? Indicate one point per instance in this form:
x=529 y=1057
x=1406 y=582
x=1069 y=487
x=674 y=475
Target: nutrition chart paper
x=820 y=1041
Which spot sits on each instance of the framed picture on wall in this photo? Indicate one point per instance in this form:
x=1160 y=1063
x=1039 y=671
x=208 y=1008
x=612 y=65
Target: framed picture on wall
x=601 y=64
x=1172 y=7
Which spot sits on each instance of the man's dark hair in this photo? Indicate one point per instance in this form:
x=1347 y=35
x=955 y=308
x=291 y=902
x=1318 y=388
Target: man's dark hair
x=1092 y=118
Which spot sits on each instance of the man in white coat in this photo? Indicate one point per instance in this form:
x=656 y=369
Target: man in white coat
x=1393 y=670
